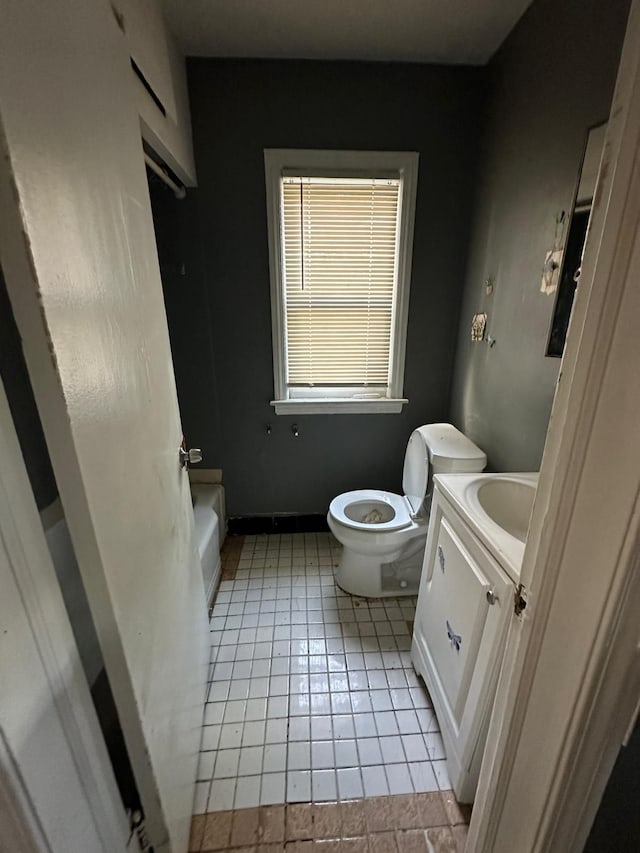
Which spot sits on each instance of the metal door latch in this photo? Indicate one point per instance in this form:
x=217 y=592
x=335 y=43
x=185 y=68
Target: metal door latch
x=519 y=600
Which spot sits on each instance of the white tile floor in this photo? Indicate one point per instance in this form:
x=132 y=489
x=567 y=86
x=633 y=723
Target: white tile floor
x=312 y=694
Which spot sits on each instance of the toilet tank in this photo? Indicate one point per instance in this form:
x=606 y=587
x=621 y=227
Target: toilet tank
x=450 y=451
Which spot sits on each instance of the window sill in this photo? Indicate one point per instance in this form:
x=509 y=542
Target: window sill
x=337 y=406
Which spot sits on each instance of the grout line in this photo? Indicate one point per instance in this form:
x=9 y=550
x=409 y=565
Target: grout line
x=288 y=593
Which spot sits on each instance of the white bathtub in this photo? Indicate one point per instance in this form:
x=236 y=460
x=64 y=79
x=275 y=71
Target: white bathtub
x=210 y=523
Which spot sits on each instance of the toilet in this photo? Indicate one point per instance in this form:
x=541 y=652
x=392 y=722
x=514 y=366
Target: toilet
x=383 y=534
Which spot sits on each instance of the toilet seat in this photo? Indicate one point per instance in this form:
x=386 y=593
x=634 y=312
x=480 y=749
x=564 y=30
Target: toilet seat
x=383 y=534
x=398 y=503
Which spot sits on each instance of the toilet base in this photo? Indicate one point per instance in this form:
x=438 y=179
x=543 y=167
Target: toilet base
x=363 y=575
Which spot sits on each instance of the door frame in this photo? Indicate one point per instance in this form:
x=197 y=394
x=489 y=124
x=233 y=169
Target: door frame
x=33 y=572
x=19 y=827
x=570 y=681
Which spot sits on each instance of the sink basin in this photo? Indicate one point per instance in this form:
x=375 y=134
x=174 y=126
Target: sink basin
x=497 y=507
x=508 y=503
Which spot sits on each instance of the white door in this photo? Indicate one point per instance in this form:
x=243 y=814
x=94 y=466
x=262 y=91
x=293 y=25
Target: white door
x=56 y=783
x=77 y=248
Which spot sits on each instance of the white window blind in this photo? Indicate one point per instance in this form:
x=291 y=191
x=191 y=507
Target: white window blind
x=339 y=240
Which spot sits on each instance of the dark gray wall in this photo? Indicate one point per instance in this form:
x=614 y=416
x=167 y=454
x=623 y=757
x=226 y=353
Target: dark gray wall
x=187 y=306
x=219 y=312
x=550 y=81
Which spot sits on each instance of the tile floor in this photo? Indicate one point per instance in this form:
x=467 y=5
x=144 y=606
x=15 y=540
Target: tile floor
x=312 y=695
x=410 y=823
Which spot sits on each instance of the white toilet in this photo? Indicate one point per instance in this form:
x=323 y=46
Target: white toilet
x=383 y=534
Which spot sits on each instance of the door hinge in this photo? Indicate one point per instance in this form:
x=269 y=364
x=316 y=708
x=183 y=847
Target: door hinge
x=519 y=600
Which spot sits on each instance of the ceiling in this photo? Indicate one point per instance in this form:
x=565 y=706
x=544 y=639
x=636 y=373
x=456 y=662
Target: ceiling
x=448 y=31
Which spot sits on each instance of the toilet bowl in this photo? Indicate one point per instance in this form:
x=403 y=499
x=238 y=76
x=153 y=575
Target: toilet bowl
x=384 y=534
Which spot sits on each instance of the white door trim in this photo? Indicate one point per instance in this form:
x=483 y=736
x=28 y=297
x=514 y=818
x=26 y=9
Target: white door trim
x=23 y=537
x=611 y=715
x=559 y=709
x=19 y=828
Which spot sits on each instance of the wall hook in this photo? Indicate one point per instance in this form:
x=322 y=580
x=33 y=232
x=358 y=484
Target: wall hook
x=295 y=430
x=268 y=429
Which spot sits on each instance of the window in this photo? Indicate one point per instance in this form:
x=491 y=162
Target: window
x=340 y=241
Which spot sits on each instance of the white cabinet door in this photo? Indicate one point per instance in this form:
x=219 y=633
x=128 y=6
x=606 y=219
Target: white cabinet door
x=459 y=634
x=78 y=252
x=455 y=614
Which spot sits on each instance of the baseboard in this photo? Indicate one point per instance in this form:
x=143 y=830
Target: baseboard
x=254 y=525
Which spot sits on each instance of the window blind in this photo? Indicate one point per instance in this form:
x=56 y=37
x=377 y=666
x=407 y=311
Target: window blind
x=340 y=248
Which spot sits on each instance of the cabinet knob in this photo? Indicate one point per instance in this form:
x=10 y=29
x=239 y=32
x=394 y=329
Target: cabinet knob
x=491 y=597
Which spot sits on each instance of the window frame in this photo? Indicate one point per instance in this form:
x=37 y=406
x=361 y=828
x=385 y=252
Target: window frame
x=404 y=164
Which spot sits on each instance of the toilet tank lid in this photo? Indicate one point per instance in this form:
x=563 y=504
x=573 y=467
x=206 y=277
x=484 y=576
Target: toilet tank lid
x=444 y=441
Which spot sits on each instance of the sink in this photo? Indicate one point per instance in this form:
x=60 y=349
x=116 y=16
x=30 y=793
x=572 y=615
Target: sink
x=497 y=507
x=508 y=503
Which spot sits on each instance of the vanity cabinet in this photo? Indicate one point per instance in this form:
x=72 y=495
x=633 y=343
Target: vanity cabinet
x=464 y=606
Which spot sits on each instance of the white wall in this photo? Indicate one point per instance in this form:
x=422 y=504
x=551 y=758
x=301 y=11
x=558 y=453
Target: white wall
x=154 y=50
